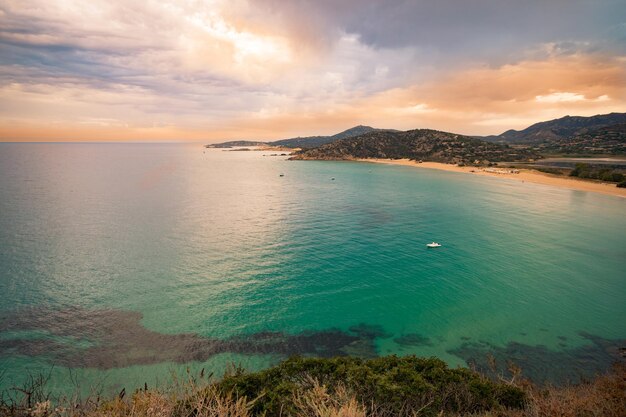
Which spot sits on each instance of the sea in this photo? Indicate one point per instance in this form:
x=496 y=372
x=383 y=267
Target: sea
x=125 y=265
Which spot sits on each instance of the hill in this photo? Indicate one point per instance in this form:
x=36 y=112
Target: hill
x=417 y=144
x=315 y=141
x=602 y=133
x=299 y=142
x=574 y=135
x=235 y=143
x=608 y=140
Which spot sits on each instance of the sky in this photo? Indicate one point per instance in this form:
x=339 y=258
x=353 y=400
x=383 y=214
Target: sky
x=215 y=70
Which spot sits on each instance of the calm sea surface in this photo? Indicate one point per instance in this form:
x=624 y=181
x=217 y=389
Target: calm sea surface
x=125 y=262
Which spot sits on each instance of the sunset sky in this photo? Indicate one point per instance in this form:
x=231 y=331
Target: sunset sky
x=213 y=70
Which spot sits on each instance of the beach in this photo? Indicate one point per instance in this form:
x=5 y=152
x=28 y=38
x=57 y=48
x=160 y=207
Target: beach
x=524 y=175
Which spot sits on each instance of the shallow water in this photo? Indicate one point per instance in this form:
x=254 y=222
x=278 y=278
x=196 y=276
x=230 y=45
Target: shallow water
x=125 y=262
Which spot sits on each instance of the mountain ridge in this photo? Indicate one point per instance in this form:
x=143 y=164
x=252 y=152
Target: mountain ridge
x=417 y=144
x=602 y=133
x=299 y=142
x=571 y=135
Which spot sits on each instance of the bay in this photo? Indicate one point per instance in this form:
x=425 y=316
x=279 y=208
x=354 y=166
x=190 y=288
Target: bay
x=125 y=262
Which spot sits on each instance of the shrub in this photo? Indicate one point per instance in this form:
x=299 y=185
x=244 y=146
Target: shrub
x=581 y=170
x=604 y=174
x=397 y=385
x=548 y=170
x=341 y=387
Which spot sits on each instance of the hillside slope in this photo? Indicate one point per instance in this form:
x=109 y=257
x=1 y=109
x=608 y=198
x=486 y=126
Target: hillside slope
x=424 y=144
x=234 y=143
x=607 y=140
x=564 y=127
x=299 y=142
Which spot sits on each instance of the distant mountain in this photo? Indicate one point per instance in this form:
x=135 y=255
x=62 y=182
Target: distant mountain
x=300 y=142
x=571 y=134
x=610 y=140
x=234 y=143
x=426 y=144
x=315 y=141
x=356 y=131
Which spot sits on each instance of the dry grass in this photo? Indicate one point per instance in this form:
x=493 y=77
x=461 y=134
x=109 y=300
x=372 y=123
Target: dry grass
x=318 y=402
x=604 y=396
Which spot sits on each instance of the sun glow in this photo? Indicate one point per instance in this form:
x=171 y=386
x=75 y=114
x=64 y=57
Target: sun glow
x=247 y=46
x=567 y=98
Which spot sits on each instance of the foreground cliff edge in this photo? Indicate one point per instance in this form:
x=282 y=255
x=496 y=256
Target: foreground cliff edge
x=350 y=387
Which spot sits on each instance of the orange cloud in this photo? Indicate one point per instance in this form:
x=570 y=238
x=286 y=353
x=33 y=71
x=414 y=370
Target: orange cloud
x=218 y=70
x=584 y=77
x=474 y=101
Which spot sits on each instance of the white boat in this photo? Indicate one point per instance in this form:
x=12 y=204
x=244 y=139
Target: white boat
x=433 y=245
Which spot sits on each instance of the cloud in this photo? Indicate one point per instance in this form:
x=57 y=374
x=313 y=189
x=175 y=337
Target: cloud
x=563 y=97
x=560 y=98
x=487 y=100
x=267 y=68
x=448 y=30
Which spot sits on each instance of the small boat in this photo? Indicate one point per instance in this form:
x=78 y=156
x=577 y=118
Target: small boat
x=433 y=245
x=332 y=179
x=282 y=175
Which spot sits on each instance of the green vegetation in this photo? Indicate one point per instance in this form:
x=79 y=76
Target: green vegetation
x=549 y=170
x=604 y=134
x=420 y=144
x=603 y=174
x=338 y=387
x=236 y=143
x=394 y=384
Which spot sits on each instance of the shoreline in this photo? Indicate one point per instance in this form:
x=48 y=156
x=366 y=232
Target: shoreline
x=524 y=175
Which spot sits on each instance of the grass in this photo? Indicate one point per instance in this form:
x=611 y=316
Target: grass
x=553 y=171
x=339 y=387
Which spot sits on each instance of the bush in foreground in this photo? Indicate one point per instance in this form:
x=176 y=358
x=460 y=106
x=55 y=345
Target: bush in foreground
x=347 y=387
x=389 y=385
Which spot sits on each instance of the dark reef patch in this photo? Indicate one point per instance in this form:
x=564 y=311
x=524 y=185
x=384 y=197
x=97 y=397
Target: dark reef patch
x=105 y=339
x=80 y=338
x=413 y=339
x=369 y=331
x=543 y=365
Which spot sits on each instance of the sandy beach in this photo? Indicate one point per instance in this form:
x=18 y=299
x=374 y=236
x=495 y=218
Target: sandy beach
x=528 y=175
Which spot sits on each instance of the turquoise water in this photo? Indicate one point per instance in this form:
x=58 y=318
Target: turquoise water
x=126 y=262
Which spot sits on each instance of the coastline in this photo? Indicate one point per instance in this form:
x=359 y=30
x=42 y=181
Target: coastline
x=524 y=175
